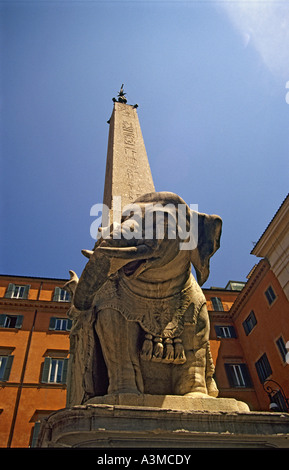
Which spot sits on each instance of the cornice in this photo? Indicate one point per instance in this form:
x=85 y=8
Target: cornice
x=33 y=278
x=33 y=304
x=258 y=274
x=275 y=228
x=220 y=315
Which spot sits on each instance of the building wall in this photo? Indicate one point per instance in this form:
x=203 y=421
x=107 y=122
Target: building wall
x=24 y=398
x=272 y=323
x=229 y=349
x=274 y=245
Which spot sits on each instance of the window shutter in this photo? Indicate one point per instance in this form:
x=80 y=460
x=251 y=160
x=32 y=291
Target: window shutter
x=217 y=304
x=19 y=321
x=56 y=295
x=26 y=291
x=36 y=430
x=7 y=371
x=230 y=375
x=46 y=367
x=267 y=365
x=246 y=328
x=10 y=290
x=259 y=371
x=246 y=375
x=69 y=325
x=263 y=368
x=2 y=320
x=52 y=323
x=232 y=332
x=64 y=371
x=218 y=331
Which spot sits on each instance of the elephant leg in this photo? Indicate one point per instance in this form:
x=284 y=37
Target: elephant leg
x=190 y=377
x=118 y=338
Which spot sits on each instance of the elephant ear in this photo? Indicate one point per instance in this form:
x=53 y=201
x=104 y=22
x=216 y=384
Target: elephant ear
x=209 y=234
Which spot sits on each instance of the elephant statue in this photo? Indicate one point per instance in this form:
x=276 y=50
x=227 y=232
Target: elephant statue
x=140 y=321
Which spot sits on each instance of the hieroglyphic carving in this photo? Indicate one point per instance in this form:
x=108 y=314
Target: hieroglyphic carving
x=130 y=157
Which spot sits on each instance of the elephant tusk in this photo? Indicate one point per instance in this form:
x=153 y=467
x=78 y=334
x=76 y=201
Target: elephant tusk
x=71 y=285
x=87 y=253
x=132 y=252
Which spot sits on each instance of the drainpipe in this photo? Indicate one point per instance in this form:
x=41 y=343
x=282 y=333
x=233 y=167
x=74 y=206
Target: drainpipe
x=19 y=391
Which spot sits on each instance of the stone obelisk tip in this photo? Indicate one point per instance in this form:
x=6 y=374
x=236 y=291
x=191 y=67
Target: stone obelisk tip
x=128 y=173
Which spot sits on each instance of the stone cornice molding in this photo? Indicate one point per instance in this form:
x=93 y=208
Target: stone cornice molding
x=219 y=315
x=257 y=275
x=274 y=231
x=27 y=304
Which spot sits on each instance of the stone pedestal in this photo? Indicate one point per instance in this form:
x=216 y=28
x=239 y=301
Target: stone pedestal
x=166 y=422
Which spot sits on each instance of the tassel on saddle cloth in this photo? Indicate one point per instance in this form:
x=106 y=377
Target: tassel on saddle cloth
x=168 y=351
x=162 y=319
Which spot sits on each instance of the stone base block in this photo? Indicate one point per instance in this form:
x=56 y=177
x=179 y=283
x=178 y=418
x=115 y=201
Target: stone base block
x=163 y=424
x=193 y=402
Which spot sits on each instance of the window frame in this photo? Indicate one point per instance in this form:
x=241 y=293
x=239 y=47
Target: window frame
x=236 y=371
x=263 y=368
x=220 y=331
x=59 y=292
x=268 y=297
x=10 y=291
x=53 y=322
x=5 y=316
x=217 y=304
x=281 y=347
x=278 y=398
x=35 y=433
x=7 y=367
x=248 y=324
x=48 y=365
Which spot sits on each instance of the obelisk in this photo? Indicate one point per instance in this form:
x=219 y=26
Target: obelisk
x=128 y=173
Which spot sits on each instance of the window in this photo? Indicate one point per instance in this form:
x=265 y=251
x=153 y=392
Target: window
x=61 y=295
x=217 y=304
x=278 y=398
x=225 y=331
x=282 y=348
x=54 y=370
x=35 y=433
x=235 y=285
x=17 y=292
x=5 y=367
x=263 y=368
x=270 y=295
x=238 y=375
x=250 y=322
x=11 y=321
x=60 y=324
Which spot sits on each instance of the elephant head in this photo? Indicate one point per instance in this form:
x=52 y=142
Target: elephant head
x=158 y=234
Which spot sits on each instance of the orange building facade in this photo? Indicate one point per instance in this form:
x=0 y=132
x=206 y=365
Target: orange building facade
x=261 y=316
x=34 y=346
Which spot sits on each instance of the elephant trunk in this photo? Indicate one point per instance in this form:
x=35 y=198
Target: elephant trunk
x=91 y=280
x=103 y=262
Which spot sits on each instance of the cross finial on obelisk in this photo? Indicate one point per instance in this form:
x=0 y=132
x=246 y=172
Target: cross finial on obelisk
x=121 y=96
x=128 y=173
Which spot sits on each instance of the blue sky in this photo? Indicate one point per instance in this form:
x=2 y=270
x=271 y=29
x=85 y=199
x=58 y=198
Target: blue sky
x=210 y=80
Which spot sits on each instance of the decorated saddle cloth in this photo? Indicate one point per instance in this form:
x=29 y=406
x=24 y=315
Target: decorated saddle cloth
x=162 y=319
